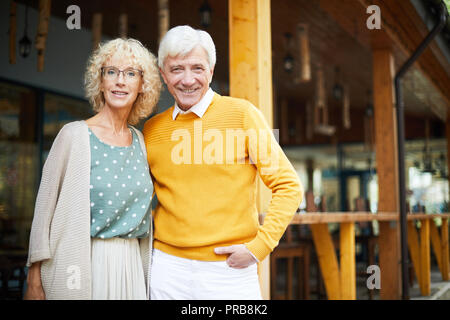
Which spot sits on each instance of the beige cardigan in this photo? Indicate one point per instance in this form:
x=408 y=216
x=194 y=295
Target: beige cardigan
x=60 y=232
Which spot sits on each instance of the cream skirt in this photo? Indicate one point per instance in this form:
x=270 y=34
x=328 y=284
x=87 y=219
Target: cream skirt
x=117 y=271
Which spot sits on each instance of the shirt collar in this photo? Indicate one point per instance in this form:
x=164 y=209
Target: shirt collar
x=199 y=109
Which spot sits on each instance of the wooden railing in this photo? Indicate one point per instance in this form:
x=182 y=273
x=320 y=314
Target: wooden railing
x=340 y=278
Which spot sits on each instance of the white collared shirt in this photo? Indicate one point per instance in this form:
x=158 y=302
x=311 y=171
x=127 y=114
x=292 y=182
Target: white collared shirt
x=199 y=109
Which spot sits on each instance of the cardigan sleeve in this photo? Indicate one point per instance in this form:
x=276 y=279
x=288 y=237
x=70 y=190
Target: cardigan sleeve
x=278 y=175
x=51 y=181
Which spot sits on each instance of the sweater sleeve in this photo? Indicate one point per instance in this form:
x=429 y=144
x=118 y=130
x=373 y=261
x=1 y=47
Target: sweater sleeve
x=279 y=176
x=51 y=181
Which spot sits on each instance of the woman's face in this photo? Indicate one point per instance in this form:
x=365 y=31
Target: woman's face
x=121 y=82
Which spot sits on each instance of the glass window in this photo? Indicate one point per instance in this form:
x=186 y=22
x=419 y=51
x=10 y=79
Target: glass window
x=58 y=111
x=18 y=165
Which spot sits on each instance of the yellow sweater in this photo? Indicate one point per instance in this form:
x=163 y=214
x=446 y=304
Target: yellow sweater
x=204 y=171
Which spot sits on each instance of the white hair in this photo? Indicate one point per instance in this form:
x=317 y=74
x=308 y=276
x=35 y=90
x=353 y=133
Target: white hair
x=181 y=40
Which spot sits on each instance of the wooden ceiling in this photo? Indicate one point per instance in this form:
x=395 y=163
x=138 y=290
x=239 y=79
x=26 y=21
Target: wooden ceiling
x=338 y=37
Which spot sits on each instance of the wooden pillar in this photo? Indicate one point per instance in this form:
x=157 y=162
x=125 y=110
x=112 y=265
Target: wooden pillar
x=348 y=261
x=386 y=151
x=251 y=79
x=425 y=272
x=326 y=255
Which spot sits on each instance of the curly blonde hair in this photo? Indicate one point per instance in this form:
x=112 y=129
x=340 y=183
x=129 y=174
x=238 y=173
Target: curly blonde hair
x=140 y=56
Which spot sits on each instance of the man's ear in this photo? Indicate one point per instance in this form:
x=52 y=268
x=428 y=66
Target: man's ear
x=211 y=75
x=163 y=75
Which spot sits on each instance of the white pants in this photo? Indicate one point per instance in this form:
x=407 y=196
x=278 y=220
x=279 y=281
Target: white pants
x=117 y=271
x=174 y=278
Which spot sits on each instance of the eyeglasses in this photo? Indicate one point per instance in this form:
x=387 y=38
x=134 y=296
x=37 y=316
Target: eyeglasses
x=129 y=74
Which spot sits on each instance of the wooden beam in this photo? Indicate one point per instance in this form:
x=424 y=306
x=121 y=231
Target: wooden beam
x=425 y=272
x=386 y=151
x=348 y=263
x=251 y=79
x=313 y=217
x=327 y=260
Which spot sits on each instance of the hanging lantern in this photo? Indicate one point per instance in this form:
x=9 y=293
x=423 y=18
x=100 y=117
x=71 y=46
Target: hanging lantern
x=25 y=42
x=25 y=46
x=288 y=63
x=205 y=14
x=288 y=60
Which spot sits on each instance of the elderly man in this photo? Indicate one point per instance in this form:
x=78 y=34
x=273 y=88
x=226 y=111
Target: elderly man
x=205 y=153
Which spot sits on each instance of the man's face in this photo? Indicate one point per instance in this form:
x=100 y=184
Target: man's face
x=188 y=77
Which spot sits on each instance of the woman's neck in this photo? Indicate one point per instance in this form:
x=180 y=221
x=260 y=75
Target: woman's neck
x=115 y=119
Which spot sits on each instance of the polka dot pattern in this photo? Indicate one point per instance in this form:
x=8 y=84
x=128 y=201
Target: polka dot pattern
x=120 y=190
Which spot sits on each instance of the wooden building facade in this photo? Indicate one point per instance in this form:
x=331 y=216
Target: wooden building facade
x=322 y=72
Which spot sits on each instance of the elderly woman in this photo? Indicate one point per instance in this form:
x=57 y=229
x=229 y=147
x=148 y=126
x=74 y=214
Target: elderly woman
x=91 y=234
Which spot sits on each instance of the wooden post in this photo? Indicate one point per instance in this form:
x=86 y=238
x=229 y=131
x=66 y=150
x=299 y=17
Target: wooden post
x=12 y=32
x=414 y=251
x=386 y=150
x=251 y=79
x=96 y=30
x=328 y=263
x=425 y=257
x=348 y=261
x=436 y=244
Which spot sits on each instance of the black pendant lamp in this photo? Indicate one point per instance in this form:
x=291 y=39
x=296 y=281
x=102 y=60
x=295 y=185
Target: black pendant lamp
x=25 y=42
x=205 y=14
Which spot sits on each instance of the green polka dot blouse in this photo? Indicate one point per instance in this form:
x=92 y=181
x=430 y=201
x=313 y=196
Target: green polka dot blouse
x=120 y=190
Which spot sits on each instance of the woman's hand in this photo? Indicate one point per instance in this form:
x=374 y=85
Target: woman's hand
x=34 y=284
